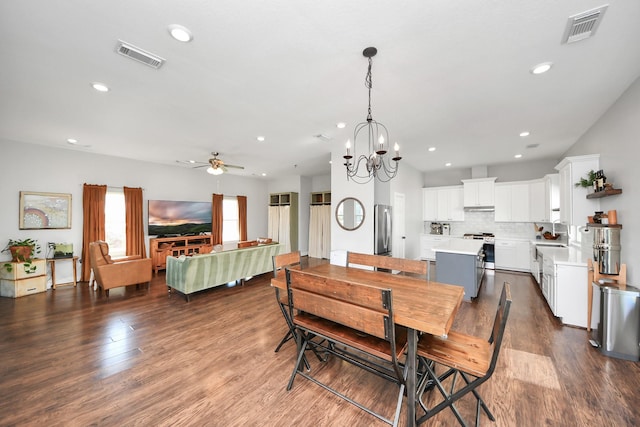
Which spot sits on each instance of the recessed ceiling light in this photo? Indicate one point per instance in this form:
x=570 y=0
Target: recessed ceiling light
x=432 y=148
x=341 y=125
x=330 y=162
x=72 y=141
x=541 y=68
x=100 y=87
x=517 y=156
x=264 y=174
x=260 y=138
x=447 y=164
x=180 y=33
x=525 y=133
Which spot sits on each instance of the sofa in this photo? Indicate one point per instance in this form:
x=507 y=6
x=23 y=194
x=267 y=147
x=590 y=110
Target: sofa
x=189 y=274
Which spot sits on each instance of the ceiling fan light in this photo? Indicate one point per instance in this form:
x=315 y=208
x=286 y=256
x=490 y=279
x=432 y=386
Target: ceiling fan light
x=214 y=171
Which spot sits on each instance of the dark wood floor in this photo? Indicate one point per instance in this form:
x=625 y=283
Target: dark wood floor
x=72 y=357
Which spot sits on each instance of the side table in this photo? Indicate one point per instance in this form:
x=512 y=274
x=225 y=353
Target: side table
x=52 y=263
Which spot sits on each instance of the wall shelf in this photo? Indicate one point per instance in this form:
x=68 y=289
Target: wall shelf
x=604 y=193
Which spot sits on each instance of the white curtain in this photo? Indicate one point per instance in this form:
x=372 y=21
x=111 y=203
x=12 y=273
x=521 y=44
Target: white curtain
x=326 y=231
x=274 y=223
x=315 y=231
x=320 y=231
x=284 y=230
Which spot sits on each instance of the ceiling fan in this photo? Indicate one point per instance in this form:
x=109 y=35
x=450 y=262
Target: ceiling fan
x=214 y=166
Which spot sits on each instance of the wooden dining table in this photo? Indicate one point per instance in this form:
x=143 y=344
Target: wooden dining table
x=420 y=305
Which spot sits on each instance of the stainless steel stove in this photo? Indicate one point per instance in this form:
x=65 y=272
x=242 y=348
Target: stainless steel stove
x=488 y=247
x=487 y=237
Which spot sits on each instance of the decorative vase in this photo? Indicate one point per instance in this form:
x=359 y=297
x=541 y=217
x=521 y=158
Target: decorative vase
x=20 y=253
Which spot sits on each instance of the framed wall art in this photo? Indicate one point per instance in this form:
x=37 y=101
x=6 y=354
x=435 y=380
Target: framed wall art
x=44 y=210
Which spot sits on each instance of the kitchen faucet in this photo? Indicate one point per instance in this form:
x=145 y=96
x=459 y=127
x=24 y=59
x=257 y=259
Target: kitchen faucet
x=553 y=226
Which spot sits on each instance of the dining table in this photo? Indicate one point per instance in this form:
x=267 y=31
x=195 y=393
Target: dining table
x=422 y=306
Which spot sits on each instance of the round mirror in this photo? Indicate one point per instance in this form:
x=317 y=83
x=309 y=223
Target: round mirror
x=350 y=213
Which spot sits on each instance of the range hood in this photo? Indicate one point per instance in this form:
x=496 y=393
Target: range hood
x=479 y=208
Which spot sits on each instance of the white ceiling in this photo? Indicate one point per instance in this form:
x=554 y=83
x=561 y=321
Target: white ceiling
x=449 y=74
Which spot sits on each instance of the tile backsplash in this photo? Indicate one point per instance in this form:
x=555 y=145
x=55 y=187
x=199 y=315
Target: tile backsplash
x=483 y=222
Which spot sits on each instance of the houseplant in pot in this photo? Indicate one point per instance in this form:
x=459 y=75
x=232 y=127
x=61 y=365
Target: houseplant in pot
x=22 y=251
x=587 y=182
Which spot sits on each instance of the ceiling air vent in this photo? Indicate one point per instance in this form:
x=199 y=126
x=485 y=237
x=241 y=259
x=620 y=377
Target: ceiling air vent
x=583 y=25
x=137 y=54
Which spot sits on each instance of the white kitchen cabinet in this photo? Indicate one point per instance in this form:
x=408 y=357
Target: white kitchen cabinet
x=549 y=283
x=429 y=204
x=512 y=202
x=443 y=203
x=574 y=205
x=478 y=192
x=428 y=242
x=571 y=294
x=544 y=199
x=539 y=203
x=512 y=254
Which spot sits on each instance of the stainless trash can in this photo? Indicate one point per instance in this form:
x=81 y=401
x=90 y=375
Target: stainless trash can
x=618 y=332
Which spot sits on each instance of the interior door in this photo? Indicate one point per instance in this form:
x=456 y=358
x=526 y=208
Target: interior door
x=398 y=231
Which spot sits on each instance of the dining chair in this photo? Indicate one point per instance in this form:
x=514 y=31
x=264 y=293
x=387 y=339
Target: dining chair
x=352 y=321
x=472 y=357
x=291 y=259
x=379 y=262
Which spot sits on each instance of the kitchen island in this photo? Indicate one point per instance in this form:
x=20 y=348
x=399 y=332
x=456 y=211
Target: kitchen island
x=461 y=262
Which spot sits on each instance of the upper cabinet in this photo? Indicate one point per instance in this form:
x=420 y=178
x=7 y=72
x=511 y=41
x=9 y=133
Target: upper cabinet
x=574 y=205
x=544 y=199
x=512 y=202
x=478 y=192
x=443 y=203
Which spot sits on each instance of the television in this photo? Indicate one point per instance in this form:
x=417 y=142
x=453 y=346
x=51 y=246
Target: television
x=171 y=218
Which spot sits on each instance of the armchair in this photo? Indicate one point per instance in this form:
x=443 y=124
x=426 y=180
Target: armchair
x=111 y=273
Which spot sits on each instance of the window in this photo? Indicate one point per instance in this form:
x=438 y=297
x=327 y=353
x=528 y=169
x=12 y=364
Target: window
x=230 y=227
x=115 y=222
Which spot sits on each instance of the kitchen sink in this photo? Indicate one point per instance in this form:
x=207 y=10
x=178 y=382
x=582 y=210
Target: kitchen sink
x=553 y=245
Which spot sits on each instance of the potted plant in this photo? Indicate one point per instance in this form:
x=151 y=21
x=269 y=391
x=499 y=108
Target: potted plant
x=587 y=182
x=22 y=251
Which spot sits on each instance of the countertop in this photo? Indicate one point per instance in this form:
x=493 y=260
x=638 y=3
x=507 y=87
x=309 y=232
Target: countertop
x=460 y=246
x=568 y=256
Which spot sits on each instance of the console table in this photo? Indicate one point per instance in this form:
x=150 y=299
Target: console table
x=52 y=263
x=162 y=247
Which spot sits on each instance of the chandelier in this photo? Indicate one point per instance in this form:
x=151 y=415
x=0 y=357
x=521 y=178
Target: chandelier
x=375 y=162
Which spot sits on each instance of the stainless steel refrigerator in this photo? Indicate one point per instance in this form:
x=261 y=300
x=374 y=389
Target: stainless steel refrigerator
x=382 y=230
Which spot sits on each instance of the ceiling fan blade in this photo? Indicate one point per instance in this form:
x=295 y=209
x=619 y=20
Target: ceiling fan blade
x=234 y=166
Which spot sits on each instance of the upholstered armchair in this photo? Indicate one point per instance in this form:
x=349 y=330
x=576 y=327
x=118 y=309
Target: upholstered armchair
x=111 y=273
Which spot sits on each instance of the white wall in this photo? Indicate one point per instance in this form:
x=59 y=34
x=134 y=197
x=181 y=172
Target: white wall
x=615 y=137
x=360 y=240
x=409 y=182
x=515 y=171
x=321 y=183
x=28 y=167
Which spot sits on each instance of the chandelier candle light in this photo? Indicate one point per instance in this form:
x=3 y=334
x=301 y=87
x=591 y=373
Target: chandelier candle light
x=377 y=164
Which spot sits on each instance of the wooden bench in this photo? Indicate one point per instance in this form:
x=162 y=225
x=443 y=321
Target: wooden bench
x=388 y=263
x=354 y=322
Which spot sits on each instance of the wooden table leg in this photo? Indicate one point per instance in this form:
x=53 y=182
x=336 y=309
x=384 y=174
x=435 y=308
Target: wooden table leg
x=75 y=271
x=412 y=338
x=52 y=263
x=589 y=292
